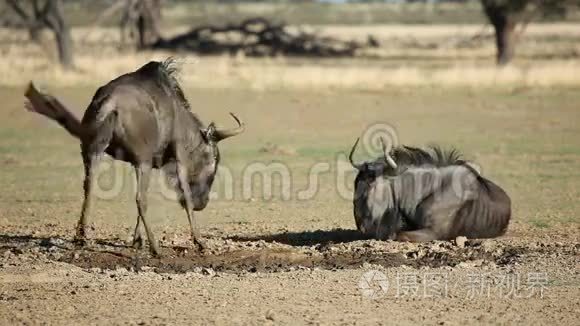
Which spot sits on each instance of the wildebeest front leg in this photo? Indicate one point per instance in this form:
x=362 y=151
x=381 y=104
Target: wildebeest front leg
x=422 y=235
x=143 y=174
x=187 y=196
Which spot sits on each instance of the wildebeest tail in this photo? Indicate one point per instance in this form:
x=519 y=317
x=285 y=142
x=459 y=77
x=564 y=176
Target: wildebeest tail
x=50 y=107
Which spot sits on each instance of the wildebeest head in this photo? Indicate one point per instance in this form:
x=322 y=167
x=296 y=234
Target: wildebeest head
x=205 y=161
x=201 y=142
x=369 y=174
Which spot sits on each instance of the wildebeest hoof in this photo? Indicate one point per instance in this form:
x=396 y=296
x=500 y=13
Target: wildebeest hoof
x=137 y=243
x=80 y=242
x=154 y=249
x=200 y=245
x=155 y=253
x=402 y=237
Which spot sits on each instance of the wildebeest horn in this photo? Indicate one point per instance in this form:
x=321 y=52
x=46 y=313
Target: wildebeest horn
x=354 y=165
x=226 y=133
x=388 y=157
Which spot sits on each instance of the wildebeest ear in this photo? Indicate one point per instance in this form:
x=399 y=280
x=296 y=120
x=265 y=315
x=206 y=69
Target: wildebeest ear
x=208 y=133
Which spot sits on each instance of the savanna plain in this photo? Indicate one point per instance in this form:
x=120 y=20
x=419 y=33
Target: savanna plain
x=278 y=254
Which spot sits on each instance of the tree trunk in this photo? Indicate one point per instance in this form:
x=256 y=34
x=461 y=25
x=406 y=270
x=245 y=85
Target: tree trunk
x=35 y=25
x=148 y=22
x=503 y=19
x=34 y=33
x=504 y=39
x=54 y=19
x=31 y=20
x=64 y=47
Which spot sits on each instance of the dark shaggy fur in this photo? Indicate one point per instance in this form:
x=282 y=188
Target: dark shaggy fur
x=433 y=155
x=166 y=73
x=170 y=70
x=408 y=156
x=412 y=206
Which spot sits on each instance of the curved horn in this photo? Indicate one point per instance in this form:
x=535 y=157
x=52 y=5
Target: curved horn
x=220 y=134
x=387 y=156
x=354 y=165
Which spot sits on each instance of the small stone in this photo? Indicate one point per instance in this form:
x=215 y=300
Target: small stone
x=488 y=246
x=478 y=262
x=270 y=315
x=198 y=270
x=95 y=270
x=208 y=271
x=460 y=241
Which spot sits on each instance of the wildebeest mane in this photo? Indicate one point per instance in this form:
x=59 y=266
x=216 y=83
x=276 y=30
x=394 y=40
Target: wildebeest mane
x=165 y=73
x=432 y=155
x=169 y=69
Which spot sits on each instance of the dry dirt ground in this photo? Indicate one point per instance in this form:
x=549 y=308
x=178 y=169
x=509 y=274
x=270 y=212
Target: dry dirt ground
x=292 y=261
x=326 y=277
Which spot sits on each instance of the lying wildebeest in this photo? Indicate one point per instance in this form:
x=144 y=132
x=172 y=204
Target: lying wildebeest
x=411 y=194
x=143 y=118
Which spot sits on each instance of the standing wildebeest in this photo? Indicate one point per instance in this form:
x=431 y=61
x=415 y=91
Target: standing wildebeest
x=416 y=195
x=143 y=118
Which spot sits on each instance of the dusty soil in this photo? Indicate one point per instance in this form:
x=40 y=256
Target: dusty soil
x=318 y=277
x=298 y=261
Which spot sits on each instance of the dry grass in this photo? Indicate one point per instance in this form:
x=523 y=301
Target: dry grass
x=411 y=56
x=280 y=74
x=526 y=137
x=527 y=141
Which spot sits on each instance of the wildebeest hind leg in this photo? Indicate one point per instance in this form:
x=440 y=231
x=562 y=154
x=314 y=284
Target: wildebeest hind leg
x=90 y=161
x=93 y=147
x=422 y=235
x=143 y=174
x=137 y=236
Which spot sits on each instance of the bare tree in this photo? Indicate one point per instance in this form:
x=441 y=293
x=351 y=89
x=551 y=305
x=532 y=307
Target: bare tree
x=37 y=14
x=505 y=15
x=139 y=21
x=148 y=19
x=30 y=19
